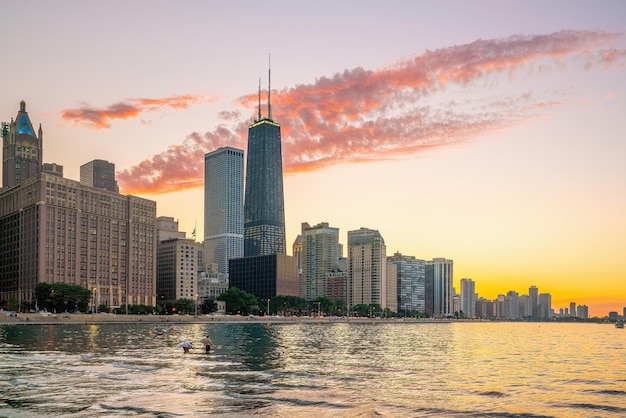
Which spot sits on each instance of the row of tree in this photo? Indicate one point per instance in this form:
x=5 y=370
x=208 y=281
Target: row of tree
x=61 y=297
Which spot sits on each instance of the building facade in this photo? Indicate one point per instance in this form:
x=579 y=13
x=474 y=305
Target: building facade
x=367 y=268
x=468 y=297
x=411 y=287
x=319 y=257
x=266 y=276
x=99 y=174
x=264 y=207
x=177 y=272
x=223 y=207
x=57 y=230
x=22 y=149
x=441 y=270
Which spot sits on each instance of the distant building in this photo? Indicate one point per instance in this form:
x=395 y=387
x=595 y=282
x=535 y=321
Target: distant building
x=319 y=257
x=223 y=206
x=440 y=275
x=177 y=272
x=57 y=230
x=410 y=287
x=511 y=305
x=582 y=311
x=533 y=293
x=572 y=309
x=544 y=308
x=468 y=297
x=99 y=174
x=392 y=287
x=212 y=283
x=265 y=276
x=167 y=229
x=22 y=149
x=367 y=268
x=296 y=250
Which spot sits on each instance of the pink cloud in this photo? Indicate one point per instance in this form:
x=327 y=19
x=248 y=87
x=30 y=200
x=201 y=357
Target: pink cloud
x=131 y=108
x=360 y=115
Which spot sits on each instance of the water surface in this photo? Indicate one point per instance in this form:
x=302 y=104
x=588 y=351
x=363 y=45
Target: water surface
x=324 y=369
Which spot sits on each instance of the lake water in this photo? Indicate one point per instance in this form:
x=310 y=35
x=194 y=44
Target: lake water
x=313 y=370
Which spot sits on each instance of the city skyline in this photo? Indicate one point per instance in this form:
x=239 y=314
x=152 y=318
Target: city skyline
x=484 y=132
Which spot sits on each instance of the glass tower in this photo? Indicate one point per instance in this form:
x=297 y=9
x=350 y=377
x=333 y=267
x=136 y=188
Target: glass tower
x=223 y=207
x=264 y=208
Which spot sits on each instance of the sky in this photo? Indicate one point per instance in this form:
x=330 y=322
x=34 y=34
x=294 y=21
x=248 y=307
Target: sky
x=486 y=132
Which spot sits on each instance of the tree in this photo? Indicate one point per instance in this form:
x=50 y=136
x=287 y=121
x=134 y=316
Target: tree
x=238 y=301
x=185 y=305
x=325 y=305
x=62 y=297
x=208 y=306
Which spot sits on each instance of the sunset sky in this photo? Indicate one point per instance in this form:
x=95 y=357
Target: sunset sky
x=487 y=132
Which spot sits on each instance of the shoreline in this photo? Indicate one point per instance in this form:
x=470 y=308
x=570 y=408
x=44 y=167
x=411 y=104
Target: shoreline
x=91 y=319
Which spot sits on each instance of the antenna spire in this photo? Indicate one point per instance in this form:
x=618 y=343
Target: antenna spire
x=259 y=98
x=269 y=89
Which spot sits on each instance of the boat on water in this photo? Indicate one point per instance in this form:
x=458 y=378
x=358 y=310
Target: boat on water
x=619 y=324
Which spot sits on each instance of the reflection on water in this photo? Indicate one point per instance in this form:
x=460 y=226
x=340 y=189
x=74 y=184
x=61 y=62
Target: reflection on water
x=334 y=369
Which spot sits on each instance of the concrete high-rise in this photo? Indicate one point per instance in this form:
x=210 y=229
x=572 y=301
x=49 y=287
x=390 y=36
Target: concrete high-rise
x=223 y=207
x=264 y=207
x=367 y=268
x=57 y=230
x=320 y=255
x=99 y=174
x=468 y=297
x=22 y=150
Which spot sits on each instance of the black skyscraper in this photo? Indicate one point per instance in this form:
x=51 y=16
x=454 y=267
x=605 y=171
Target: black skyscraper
x=264 y=206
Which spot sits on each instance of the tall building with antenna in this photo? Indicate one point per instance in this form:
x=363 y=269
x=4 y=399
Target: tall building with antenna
x=265 y=269
x=264 y=205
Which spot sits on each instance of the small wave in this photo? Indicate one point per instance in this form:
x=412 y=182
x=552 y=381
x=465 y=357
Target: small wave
x=608 y=408
x=135 y=367
x=608 y=392
x=492 y=393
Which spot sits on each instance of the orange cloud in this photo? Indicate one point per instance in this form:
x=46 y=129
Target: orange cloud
x=131 y=108
x=360 y=115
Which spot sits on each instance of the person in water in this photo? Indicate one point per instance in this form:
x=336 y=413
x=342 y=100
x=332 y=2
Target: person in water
x=187 y=346
x=207 y=344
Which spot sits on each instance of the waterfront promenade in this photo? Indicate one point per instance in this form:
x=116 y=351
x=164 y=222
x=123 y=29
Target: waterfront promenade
x=34 y=318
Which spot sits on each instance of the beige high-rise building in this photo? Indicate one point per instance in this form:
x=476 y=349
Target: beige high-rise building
x=367 y=268
x=320 y=255
x=57 y=230
x=177 y=273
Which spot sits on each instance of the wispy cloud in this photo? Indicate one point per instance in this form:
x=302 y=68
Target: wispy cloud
x=100 y=118
x=360 y=115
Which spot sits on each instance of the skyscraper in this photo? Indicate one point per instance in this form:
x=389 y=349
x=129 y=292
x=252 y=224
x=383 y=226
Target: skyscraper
x=99 y=174
x=22 y=150
x=411 y=283
x=441 y=280
x=264 y=207
x=468 y=297
x=320 y=255
x=367 y=268
x=265 y=269
x=223 y=207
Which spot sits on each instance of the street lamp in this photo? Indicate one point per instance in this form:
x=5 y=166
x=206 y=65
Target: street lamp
x=197 y=305
x=95 y=293
x=268 y=306
x=319 y=312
